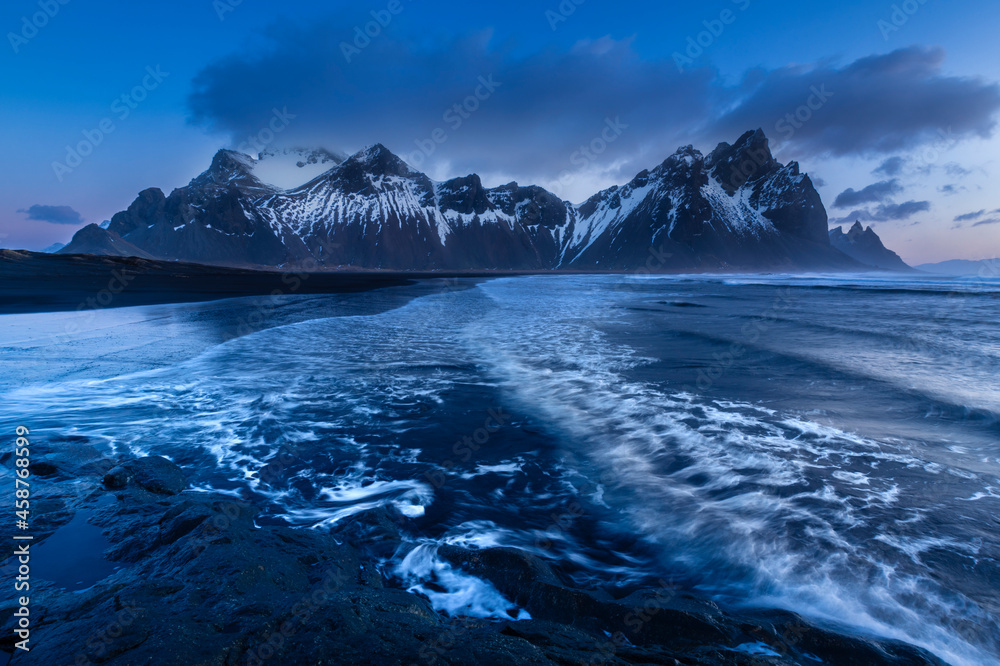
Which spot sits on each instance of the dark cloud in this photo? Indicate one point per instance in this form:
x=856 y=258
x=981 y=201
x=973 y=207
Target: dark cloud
x=549 y=103
x=543 y=109
x=992 y=220
x=874 y=193
x=817 y=181
x=971 y=216
x=53 y=214
x=891 y=167
x=879 y=104
x=890 y=212
x=957 y=170
x=903 y=211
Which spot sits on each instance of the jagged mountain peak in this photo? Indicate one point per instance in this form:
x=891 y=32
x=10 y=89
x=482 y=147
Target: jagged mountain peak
x=230 y=168
x=856 y=232
x=864 y=245
x=379 y=160
x=230 y=161
x=465 y=195
x=374 y=210
x=685 y=156
x=747 y=161
x=367 y=171
x=754 y=141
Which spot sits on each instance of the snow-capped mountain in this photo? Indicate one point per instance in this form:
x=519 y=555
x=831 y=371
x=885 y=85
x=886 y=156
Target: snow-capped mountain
x=213 y=220
x=737 y=208
x=375 y=211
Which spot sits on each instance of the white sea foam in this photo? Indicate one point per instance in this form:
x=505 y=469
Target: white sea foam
x=755 y=504
x=452 y=591
x=675 y=460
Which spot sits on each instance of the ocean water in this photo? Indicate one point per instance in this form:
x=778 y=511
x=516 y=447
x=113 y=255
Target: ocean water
x=823 y=444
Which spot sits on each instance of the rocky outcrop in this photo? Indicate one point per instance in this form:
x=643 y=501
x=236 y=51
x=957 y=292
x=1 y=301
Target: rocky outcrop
x=866 y=247
x=200 y=580
x=92 y=239
x=155 y=474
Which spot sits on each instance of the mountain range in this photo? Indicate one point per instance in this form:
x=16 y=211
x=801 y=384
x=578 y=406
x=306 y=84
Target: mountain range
x=736 y=208
x=985 y=268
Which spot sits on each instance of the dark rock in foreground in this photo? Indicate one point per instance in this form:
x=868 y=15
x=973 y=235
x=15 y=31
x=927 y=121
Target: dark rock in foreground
x=155 y=474
x=200 y=583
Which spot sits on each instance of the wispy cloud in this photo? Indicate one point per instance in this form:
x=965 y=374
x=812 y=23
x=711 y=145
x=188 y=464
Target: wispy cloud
x=887 y=212
x=970 y=216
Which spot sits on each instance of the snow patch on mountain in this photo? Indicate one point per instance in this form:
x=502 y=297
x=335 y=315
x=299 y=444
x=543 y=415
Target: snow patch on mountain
x=288 y=168
x=374 y=210
x=736 y=210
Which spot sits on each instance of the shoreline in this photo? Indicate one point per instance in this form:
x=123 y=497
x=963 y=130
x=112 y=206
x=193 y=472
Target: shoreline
x=195 y=579
x=32 y=282
x=139 y=525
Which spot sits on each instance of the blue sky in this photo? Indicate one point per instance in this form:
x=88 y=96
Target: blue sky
x=902 y=136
